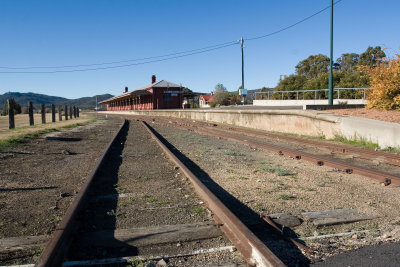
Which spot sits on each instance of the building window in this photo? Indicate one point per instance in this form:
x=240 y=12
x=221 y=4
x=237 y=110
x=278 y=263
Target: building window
x=167 y=97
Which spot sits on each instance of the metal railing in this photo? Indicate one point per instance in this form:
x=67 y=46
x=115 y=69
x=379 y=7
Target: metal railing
x=357 y=93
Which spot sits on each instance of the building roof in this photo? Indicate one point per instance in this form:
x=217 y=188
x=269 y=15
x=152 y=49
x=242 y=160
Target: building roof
x=143 y=90
x=206 y=97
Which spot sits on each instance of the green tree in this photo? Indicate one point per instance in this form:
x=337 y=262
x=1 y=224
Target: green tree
x=348 y=61
x=220 y=96
x=291 y=83
x=313 y=65
x=371 y=56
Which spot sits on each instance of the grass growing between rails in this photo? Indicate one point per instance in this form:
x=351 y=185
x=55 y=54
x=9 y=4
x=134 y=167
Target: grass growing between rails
x=23 y=135
x=355 y=141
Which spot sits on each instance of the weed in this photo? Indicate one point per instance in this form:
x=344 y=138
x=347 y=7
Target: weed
x=162 y=202
x=230 y=171
x=283 y=172
x=258 y=207
x=112 y=213
x=137 y=262
x=199 y=210
x=286 y=197
x=392 y=149
x=307 y=188
x=122 y=190
x=140 y=179
x=230 y=152
x=325 y=231
x=268 y=169
x=243 y=178
x=149 y=199
x=357 y=141
x=127 y=202
x=2 y=223
x=58 y=218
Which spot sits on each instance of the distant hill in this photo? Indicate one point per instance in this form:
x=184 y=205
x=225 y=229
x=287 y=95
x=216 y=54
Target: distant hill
x=37 y=99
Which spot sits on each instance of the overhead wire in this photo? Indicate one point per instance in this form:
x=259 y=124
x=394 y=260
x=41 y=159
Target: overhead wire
x=146 y=59
x=125 y=65
x=292 y=25
x=122 y=61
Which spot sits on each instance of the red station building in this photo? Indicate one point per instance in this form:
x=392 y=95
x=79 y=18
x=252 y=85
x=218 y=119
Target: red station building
x=157 y=95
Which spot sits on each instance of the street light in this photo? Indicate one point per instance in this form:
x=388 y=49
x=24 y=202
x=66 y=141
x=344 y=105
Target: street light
x=330 y=94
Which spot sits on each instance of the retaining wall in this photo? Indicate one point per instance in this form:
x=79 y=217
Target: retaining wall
x=310 y=122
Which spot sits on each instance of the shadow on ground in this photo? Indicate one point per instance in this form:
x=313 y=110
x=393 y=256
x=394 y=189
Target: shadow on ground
x=95 y=237
x=284 y=250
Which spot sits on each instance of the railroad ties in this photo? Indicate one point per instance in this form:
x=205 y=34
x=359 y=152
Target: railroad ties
x=139 y=204
x=246 y=136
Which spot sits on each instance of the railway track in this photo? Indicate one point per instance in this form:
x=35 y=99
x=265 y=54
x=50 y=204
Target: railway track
x=139 y=203
x=243 y=136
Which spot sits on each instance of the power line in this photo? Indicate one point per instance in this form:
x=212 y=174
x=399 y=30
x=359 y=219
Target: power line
x=292 y=25
x=121 y=66
x=162 y=57
x=122 y=61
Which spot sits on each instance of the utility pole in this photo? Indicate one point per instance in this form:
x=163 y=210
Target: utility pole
x=241 y=45
x=330 y=94
x=242 y=92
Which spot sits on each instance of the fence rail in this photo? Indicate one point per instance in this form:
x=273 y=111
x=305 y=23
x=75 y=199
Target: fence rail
x=355 y=93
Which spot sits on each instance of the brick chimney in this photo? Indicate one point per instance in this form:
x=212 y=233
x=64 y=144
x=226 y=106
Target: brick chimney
x=126 y=89
x=153 y=78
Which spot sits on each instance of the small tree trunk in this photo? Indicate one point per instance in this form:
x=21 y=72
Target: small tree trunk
x=30 y=112
x=43 y=110
x=11 y=121
x=70 y=112
x=66 y=112
x=74 y=112
x=77 y=112
x=59 y=113
x=53 y=113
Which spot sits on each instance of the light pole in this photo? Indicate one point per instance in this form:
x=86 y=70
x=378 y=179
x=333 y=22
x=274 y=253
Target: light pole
x=242 y=92
x=330 y=94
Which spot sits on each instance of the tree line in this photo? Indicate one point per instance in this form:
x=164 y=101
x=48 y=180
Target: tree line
x=313 y=72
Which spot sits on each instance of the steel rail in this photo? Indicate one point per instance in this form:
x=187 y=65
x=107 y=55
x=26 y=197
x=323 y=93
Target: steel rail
x=363 y=153
x=57 y=246
x=253 y=250
x=358 y=152
x=380 y=176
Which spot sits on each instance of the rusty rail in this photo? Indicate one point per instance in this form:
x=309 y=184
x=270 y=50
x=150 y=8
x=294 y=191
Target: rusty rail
x=56 y=247
x=386 y=157
x=254 y=251
x=380 y=176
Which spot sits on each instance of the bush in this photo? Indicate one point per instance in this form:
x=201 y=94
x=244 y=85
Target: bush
x=385 y=83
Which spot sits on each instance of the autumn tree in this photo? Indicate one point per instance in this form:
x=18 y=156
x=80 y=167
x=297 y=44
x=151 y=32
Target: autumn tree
x=385 y=83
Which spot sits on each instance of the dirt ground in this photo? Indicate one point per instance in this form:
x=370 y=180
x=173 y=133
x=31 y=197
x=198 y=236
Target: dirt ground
x=382 y=115
x=268 y=183
x=39 y=179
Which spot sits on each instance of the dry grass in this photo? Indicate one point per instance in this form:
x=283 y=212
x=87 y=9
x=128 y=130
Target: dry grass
x=22 y=124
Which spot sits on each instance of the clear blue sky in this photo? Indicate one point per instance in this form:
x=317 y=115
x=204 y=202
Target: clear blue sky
x=74 y=32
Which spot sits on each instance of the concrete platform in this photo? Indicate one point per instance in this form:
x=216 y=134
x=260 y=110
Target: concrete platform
x=302 y=122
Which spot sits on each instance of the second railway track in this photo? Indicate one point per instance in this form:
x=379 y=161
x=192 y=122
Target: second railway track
x=138 y=204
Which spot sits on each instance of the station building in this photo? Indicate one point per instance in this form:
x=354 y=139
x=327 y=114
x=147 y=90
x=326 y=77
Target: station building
x=156 y=95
